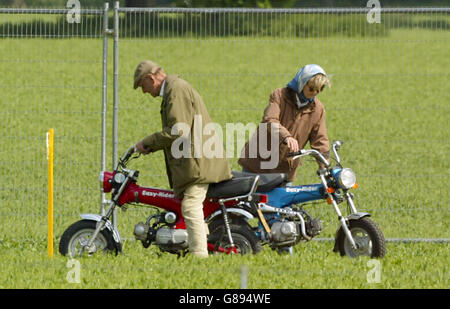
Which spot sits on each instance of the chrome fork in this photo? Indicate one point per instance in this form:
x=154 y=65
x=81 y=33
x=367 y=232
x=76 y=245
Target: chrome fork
x=341 y=218
x=98 y=228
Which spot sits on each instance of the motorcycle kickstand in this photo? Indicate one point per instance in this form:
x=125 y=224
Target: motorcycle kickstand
x=227 y=225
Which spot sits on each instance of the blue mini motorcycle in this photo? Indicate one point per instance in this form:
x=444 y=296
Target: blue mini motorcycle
x=284 y=222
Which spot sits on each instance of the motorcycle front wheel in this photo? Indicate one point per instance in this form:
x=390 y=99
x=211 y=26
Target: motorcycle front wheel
x=76 y=237
x=367 y=235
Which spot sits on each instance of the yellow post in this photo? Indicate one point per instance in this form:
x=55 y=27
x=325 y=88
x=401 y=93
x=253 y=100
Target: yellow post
x=50 y=134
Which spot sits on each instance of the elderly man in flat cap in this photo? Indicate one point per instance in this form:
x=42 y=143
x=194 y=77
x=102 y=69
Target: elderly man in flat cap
x=190 y=174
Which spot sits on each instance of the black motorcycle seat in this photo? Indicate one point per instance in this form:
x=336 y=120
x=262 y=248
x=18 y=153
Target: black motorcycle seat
x=267 y=181
x=236 y=186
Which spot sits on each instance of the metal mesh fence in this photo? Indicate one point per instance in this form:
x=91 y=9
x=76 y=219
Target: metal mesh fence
x=387 y=103
x=51 y=78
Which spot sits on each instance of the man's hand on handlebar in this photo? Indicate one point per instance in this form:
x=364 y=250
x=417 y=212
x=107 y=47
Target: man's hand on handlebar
x=141 y=148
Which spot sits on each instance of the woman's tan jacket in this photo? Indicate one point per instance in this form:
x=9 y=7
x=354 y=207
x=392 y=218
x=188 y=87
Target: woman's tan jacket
x=305 y=125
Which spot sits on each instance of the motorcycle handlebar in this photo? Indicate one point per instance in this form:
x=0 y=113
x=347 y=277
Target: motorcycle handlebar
x=296 y=153
x=304 y=152
x=309 y=152
x=130 y=151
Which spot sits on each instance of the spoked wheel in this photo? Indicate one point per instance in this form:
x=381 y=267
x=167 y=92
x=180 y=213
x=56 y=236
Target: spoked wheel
x=368 y=237
x=75 y=239
x=244 y=239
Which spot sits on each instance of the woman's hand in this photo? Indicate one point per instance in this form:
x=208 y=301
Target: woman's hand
x=292 y=144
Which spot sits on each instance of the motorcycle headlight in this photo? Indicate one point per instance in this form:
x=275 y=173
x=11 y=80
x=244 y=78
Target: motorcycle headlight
x=347 y=178
x=119 y=178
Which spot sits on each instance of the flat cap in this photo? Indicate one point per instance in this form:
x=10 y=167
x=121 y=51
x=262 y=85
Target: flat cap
x=144 y=68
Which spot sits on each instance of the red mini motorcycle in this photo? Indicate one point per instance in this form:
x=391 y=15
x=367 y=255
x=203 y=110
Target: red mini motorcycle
x=227 y=208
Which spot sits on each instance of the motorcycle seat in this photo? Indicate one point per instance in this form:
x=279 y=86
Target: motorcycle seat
x=267 y=181
x=236 y=186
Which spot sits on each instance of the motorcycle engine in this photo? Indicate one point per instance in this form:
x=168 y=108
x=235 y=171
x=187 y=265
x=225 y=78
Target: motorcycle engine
x=171 y=240
x=314 y=227
x=285 y=232
x=141 y=231
x=167 y=236
x=168 y=239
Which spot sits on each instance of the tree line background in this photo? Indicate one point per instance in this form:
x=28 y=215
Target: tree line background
x=227 y=3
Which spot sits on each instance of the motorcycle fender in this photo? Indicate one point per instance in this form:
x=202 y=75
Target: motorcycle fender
x=358 y=215
x=339 y=231
x=237 y=211
x=108 y=225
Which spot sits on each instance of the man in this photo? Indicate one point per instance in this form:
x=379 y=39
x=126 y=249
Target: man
x=299 y=117
x=190 y=174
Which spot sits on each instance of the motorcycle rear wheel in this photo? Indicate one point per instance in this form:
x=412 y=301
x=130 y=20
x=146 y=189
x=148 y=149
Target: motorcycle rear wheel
x=79 y=234
x=367 y=235
x=244 y=238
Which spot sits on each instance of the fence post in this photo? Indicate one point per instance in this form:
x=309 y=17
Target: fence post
x=106 y=32
x=244 y=277
x=50 y=135
x=116 y=94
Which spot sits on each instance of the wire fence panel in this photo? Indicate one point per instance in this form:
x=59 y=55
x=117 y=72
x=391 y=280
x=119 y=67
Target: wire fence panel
x=388 y=103
x=388 y=70
x=51 y=78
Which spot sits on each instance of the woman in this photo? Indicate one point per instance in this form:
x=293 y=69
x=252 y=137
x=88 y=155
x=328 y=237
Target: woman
x=299 y=118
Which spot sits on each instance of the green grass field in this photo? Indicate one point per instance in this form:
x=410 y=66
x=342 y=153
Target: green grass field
x=388 y=103
x=313 y=265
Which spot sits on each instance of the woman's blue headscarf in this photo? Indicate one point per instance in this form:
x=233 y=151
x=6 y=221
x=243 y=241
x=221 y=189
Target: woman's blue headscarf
x=301 y=79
